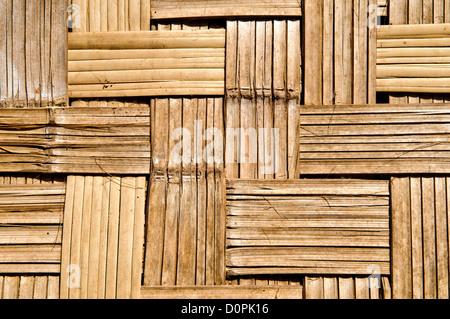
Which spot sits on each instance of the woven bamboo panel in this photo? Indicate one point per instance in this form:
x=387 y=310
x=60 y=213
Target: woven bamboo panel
x=413 y=58
x=30 y=225
x=420 y=258
x=29 y=287
x=112 y=64
x=33 y=53
x=76 y=140
x=307 y=227
x=222 y=292
x=374 y=139
x=103 y=237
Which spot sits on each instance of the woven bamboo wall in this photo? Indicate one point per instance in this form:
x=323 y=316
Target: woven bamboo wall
x=216 y=149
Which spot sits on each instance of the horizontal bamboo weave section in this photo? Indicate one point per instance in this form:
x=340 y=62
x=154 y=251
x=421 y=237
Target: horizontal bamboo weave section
x=105 y=140
x=111 y=64
x=413 y=58
x=374 y=139
x=30 y=225
x=307 y=227
x=173 y=9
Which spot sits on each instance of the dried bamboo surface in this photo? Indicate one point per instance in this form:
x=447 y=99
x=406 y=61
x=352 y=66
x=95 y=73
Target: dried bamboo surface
x=345 y=287
x=175 y=9
x=413 y=58
x=33 y=58
x=103 y=237
x=138 y=63
x=31 y=211
x=420 y=255
x=222 y=292
x=419 y=12
x=339 y=68
x=185 y=237
x=185 y=243
x=307 y=227
x=98 y=140
x=29 y=287
x=263 y=96
x=374 y=139
x=110 y=15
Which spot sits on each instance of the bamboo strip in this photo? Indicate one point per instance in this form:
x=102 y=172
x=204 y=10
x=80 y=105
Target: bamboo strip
x=416 y=237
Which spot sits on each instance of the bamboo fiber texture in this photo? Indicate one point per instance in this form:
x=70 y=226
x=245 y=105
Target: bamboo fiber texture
x=307 y=227
x=413 y=58
x=263 y=95
x=374 y=139
x=31 y=211
x=151 y=63
x=339 y=52
x=420 y=12
x=33 y=41
x=29 y=287
x=162 y=9
x=185 y=243
x=103 y=237
x=420 y=255
x=97 y=140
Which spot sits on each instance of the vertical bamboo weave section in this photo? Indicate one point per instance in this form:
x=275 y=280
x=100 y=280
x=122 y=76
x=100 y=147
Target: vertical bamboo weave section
x=186 y=209
x=419 y=12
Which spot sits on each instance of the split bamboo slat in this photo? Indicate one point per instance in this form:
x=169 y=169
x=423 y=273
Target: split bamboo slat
x=307 y=227
x=339 y=52
x=420 y=255
x=374 y=139
x=110 y=15
x=413 y=58
x=152 y=63
x=29 y=287
x=263 y=96
x=30 y=225
x=103 y=237
x=33 y=44
x=187 y=9
x=222 y=292
x=105 y=140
